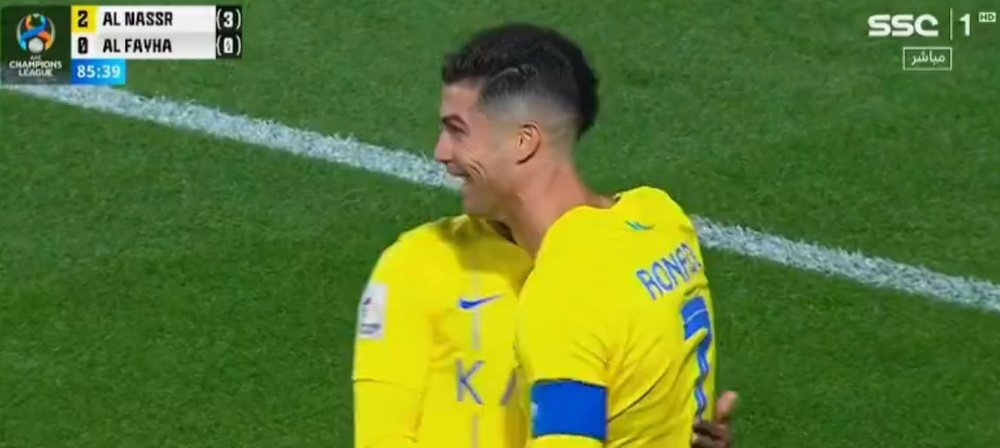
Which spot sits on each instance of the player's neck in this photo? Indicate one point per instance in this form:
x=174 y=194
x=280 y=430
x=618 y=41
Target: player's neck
x=540 y=203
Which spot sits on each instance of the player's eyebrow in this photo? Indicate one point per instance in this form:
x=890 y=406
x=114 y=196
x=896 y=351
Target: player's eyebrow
x=453 y=121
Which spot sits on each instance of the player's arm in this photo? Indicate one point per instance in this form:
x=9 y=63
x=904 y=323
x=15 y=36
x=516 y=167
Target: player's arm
x=563 y=348
x=392 y=351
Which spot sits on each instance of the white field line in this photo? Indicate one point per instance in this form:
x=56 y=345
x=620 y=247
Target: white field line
x=872 y=271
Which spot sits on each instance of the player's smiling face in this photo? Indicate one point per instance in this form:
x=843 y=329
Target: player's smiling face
x=470 y=147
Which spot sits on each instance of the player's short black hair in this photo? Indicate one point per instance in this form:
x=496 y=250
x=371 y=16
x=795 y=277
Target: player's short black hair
x=517 y=59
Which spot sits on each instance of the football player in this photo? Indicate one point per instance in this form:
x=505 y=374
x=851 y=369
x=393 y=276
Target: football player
x=434 y=363
x=614 y=334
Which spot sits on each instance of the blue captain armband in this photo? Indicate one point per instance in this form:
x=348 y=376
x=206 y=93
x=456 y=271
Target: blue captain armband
x=567 y=407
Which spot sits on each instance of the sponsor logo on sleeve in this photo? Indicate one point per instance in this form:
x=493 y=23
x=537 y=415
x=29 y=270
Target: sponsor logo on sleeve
x=372 y=311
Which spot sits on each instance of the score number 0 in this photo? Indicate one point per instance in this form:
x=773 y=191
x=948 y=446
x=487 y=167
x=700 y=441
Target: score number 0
x=229 y=45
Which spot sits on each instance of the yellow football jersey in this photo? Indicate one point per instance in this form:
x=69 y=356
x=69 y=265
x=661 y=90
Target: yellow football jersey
x=434 y=359
x=614 y=331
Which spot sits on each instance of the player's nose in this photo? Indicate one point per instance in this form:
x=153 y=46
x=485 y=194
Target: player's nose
x=443 y=152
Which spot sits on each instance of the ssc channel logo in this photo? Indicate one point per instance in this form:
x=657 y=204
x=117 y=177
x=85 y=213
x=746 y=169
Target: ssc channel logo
x=36 y=33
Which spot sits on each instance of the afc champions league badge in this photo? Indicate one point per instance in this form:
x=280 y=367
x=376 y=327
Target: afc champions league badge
x=35 y=46
x=36 y=33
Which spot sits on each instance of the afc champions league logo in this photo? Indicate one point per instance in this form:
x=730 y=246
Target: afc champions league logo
x=36 y=33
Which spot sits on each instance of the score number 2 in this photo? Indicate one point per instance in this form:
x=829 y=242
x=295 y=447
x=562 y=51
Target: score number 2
x=83 y=19
x=696 y=318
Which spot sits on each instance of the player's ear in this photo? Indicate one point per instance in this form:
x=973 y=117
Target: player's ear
x=527 y=141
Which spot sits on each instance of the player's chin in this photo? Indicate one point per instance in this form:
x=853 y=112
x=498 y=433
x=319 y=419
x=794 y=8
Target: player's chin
x=472 y=208
x=472 y=203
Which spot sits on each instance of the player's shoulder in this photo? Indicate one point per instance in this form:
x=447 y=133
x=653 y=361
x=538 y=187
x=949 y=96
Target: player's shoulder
x=634 y=211
x=575 y=248
x=593 y=240
x=653 y=205
x=441 y=238
x=445 y=233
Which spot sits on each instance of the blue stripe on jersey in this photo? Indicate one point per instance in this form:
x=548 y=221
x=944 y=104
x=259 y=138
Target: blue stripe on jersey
x=696 y=319
x=567 y=407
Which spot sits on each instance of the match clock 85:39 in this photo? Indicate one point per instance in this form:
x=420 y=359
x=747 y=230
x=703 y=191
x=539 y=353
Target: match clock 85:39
x=99 y=72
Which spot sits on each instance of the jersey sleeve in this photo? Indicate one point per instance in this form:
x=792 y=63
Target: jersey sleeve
x=564 y=342
x=385 y=415
x=392 y=349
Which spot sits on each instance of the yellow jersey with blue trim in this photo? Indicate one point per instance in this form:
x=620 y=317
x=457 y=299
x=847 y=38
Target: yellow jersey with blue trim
x=433 y=359
x=614 y=332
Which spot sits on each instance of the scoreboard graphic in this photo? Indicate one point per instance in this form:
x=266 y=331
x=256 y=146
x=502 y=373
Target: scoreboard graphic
x=90 y=45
